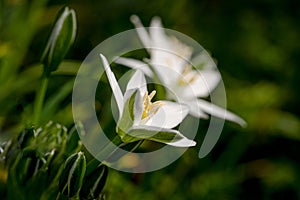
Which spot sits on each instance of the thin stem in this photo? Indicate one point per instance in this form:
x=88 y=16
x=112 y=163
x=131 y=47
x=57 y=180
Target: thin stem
x=104 y=153
x=38 y=105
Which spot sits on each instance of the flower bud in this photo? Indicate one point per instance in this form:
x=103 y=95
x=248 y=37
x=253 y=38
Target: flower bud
x=27 y=165
x=62 y=36
x=25 y=137
x=72 y=175
x=94 y=183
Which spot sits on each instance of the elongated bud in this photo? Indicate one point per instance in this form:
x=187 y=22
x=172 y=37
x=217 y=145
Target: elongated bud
x=62 y=37
x=73 y=141
x=27 y=165
x=25 y=137
x=4 y=150
x=94 y=183
x=72 y=175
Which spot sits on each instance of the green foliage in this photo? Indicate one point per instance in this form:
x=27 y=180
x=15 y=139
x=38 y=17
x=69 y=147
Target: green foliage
x=32 y=162
x=32 y=166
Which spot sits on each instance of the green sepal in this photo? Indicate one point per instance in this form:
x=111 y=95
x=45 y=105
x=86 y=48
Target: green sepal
x=25 y=137
x=127 y=118
x=73 y=141
x=163 y=135
x=94 y=183
x=71 y=178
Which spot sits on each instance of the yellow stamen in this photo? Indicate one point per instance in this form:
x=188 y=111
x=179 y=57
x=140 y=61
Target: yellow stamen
x=150 y=108
x=186 y=76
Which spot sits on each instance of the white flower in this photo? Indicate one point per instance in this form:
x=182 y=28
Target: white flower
x=169 y=59
x=139 y=118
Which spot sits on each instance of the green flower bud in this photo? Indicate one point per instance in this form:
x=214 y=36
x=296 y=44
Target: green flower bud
x=27 y=165
x=72 y=175
x=73 y=141
x=4 y=150
x=94 y=183
x=62 y=36
x=25 y=137
x=49 y=137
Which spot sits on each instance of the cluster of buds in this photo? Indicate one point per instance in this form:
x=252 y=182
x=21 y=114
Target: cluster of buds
x=32 y=166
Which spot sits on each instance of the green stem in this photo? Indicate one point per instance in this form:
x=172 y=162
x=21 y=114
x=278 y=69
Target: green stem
x=38 y=105
x=107 y=151
x=104 y=153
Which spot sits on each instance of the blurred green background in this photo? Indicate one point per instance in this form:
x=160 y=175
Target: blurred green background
x=256 y=45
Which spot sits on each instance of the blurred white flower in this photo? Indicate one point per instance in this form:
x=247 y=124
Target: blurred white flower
x=170 y=61
x=139 y=118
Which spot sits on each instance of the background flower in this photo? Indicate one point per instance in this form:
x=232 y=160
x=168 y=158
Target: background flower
x=169 y=59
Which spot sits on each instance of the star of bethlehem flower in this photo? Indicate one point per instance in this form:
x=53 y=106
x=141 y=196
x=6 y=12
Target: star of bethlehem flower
x=140 y=118
x=169 y=60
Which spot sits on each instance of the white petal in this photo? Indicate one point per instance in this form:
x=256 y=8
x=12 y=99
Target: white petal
x=219 y=112
x=135 y=64
x=211 y=79
x=162 y=135
x=167 y=75
x=204 y=61
x=163 y=58
x=114 y=85
x=202 y=86
x=159 y=38
x=167 y=50
x=141 y=31
x=137 y=81
x=156 y=22
x=138 y=107
x=194 y=108
x=169 y=115
x=162 y=55
x=184 y=142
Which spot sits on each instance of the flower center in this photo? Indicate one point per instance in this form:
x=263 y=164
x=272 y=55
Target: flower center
x=188 y=76
x=149 y=108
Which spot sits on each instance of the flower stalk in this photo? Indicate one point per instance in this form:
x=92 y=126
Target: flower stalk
x=38 y=105
x=60 y=40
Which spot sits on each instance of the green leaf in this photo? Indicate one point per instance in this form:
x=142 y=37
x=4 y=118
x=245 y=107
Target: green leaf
x=62 y=37
x=52 y=104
